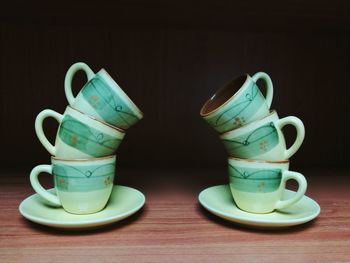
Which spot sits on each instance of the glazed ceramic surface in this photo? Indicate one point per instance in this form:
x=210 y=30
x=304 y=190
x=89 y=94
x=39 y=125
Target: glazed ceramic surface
x=238 y=102
x=124 y=201
x=102 y=98
x=79 y=135
x=263 y=139
x=257 y=186
x=218 y=200
x=82 y=186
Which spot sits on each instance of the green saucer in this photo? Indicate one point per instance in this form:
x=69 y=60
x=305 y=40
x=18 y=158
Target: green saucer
x=218 y=200
x=124 y=201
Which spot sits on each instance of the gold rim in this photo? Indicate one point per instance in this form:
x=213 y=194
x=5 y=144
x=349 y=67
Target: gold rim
x=95 y=119
x=257 y=161
x=83 y=159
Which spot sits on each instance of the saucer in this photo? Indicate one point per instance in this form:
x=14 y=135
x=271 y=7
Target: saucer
x=218 y=200
x=124 y=201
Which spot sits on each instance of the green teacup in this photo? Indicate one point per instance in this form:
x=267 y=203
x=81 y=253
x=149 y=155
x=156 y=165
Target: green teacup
x=238 y=102
x=257 y=186
x=102 y=98
x=263 y=139
x=82 y=186
x=79 y=135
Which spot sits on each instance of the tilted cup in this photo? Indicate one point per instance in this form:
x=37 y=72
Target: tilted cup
x=83 y=186
x=263 y=139
x=257 y=186
x=102 y=98
x=239 y=102
x=79 y=135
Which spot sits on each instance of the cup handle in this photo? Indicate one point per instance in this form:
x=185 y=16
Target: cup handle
x=69 y=77
x=299 y=126
x=302 y=183
x=269 y=87
x=39 y=128
x=34 y=174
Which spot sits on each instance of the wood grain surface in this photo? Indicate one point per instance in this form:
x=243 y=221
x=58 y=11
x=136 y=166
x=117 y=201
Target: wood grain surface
x=172 y=227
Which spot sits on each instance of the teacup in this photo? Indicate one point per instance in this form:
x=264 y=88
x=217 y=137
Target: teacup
x=263 y=139
x=82 y=186
x=79 y=135
x=102 y=98
x=239 y=102
x=257 y=186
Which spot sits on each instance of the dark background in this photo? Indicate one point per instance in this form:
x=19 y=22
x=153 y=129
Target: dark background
x=169 y=57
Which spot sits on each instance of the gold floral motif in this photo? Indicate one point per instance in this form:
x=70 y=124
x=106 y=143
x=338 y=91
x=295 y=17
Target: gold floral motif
x=263 y=145
x=239 y=121
x=63 y=183
x=108 y=181
x=74 y=139
x=261 y=186
x=94 y=101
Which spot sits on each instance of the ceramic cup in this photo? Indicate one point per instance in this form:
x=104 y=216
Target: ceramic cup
x=257 y=186
x=102 y=98
x=82 y=186
x=263 y=139
x=239 y=102
x=79 y=135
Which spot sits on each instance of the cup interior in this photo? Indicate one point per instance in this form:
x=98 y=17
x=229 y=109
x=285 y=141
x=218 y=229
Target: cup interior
x=223 y=95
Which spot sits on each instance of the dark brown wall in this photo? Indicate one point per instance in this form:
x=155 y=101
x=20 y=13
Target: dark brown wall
x=170 y=58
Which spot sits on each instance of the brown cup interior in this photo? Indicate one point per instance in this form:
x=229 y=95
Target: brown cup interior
x=223 y=95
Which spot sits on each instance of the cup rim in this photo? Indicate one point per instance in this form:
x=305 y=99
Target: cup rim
x=83 y=159
x=228 y=100
x=271 y=112
x=138 y=111
x=95 y=119
x=258 y=160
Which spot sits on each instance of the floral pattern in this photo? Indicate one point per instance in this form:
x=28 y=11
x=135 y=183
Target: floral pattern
x=239 y=121
x=63 y=183
x=70 y=178
x=94 y=101
x=263 y=145
x=108 y=181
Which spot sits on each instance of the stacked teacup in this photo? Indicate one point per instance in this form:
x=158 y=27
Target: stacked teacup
x=252 y=134
x=90 y=131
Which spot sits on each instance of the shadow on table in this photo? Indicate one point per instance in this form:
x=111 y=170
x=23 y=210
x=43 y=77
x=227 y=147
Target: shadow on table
x=237 y=226
x=88 y=231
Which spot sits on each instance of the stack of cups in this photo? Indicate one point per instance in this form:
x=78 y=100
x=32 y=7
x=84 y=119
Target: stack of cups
x=253 y=137
x=90 y=131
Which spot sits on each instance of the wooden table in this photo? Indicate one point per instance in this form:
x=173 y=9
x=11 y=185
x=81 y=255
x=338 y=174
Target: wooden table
x=172 y=227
